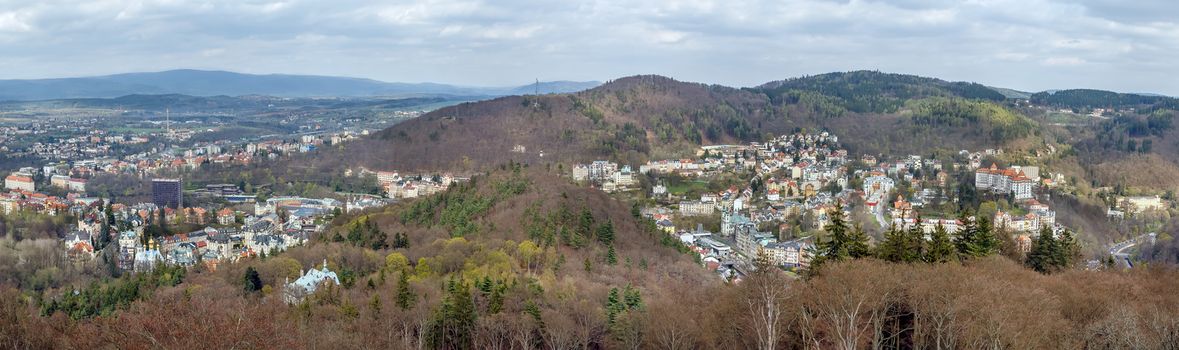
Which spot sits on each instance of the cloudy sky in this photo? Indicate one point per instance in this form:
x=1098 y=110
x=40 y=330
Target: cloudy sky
x=1024 y=44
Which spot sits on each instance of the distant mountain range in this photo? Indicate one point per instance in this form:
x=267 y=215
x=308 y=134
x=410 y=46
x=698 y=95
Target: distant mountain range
x=218 y=83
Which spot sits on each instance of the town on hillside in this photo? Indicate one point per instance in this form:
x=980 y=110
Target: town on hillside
x=731 y=203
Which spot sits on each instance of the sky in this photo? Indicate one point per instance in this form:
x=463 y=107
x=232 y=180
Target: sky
x=1031 y=45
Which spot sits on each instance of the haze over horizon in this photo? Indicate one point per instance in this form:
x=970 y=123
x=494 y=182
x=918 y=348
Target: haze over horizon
x=1025 y=45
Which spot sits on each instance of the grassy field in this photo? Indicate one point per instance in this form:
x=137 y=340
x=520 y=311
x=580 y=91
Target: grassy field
x=681 y=188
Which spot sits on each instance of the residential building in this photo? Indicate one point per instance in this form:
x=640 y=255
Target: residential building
x=167 y=192
x=20 y=181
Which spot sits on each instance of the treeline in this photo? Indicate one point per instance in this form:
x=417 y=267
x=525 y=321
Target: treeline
x=995 y=121
x=985 y=303
x=102 y=299
x=977 y=237
x=1087 y=98
x=456 y=208
x=874 y=92
x=1128 y=134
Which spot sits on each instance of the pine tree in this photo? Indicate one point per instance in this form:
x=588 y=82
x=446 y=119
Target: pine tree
x=614 y=306
x=251 y=281
x=495 y=303
x=632 y=298
x=611 y=257
x=585 y=223
x=892 y=247
x=914 y=243
x=965 y=234
x=606 y=232
x=1043 y=252
x=453 y=323
x=406 y=298
x=857 y=244
x=839 y=244
x=941 y=249
x=985 y=242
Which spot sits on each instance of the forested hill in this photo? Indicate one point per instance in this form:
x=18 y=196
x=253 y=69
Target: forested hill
x=637 y=118
x=875 y=92
x=1085 y=98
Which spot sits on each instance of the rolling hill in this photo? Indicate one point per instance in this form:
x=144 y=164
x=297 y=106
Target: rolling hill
x=637 y=118
x=214 y=83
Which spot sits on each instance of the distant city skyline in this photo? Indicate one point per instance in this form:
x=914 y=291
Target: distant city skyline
x=1030 y=45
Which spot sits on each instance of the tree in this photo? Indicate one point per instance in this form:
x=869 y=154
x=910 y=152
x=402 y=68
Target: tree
x=1041 y=257
x=976 y=237
x=893 y=248
x=606 y=232
x=611 y=257
x=766 y=291
x=406 y=298
x=251 y=281
x=400 y=240
x=453 y=323
x=1050 y=253
x=585 y=223
x=940 y=249
x=840 y=244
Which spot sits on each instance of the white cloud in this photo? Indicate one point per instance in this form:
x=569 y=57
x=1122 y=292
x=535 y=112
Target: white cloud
x=13 y=22
x=1024 y=44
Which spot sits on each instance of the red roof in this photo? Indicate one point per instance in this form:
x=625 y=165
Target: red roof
x=19 y=178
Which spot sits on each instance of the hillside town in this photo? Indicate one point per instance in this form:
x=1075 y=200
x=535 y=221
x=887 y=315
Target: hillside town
x=784 y=190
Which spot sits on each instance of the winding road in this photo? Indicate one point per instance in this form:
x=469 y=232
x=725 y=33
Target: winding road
x=1119 y=250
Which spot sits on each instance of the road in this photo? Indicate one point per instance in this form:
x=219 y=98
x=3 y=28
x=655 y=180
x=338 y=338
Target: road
x=1119 y=250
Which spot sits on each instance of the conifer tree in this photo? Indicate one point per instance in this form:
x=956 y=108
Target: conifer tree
x=406 y=298
x=606 y=232
x=857 y=244
x=251 y=281
x=892 y=247
x=453 y=323
x=1043 y=252
x=914 y=242
x=611 y=257
x=941 y=249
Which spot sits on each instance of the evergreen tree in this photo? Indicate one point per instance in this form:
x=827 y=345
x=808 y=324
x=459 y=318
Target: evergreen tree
x=1044 y=252
x=611 y=257
x=251 y=281
x=835 y=248
x=914 y=242
x=632 y=298
x=453 y=323
x=495 y=303
x=892 y=248
x=985 y=242
x=606 y=232
x=400 y=240
x=586 y=223
x=614 y=306
x=941 y=249
x=976 y=237
x=965 y=234
x=406 y=298
x=857 y=243
x=376 y=238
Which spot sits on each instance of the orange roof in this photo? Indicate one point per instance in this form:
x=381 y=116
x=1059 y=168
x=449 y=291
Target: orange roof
x=15 y=177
